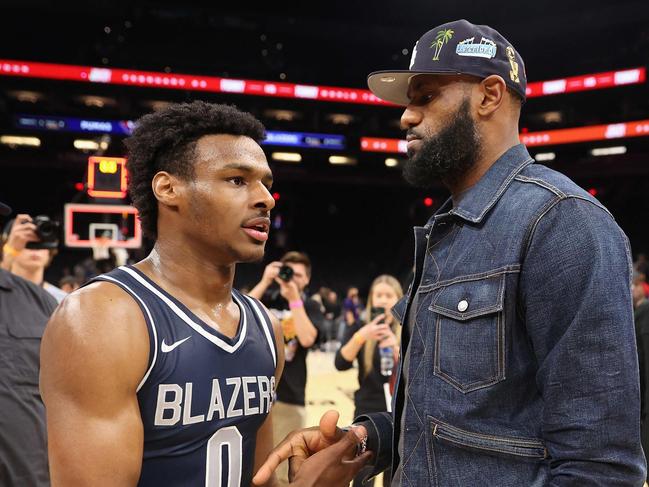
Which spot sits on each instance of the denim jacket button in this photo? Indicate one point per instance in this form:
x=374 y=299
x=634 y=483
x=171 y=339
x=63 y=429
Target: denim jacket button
x=462 y=306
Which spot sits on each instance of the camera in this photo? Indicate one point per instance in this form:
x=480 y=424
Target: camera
x=285 y=273
x=47 y=231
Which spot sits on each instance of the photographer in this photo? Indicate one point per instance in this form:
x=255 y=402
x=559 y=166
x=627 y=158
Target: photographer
x=24 y=311
x=301 y=320
x=29 y=247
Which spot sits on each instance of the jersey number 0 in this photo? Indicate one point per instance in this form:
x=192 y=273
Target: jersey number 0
x=231 y=439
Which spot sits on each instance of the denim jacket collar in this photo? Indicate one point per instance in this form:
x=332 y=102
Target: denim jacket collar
x=479 y=199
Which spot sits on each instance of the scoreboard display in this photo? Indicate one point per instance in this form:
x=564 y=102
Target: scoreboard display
x=107 y=177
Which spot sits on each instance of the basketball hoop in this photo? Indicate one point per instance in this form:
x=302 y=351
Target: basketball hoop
x=101 y=247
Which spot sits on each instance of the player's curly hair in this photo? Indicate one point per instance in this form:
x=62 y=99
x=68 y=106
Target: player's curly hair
x=166 y=140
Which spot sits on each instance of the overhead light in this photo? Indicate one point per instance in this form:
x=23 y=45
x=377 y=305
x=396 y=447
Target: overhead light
x=609 y=151
x=342 y=160
x=340 y=118
x=26 y=96
x=286 y=156
x=552 y=117
x=545 y=156
x=282 y=115
x=97 y=101
x=391 y=162
x=157 y=105
x=84 y=144
x=16 y=140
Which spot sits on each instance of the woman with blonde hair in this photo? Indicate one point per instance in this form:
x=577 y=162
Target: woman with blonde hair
x=364 y=342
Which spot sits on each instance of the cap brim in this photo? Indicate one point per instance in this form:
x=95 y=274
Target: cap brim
x=392 y=86
x=4 y=209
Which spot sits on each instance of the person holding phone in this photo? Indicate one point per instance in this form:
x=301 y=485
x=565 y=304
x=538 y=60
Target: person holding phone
x=366 y=342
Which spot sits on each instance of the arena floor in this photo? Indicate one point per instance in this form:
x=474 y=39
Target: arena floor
x=328 y=388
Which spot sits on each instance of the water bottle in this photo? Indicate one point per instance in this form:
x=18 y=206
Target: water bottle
x=387 y=361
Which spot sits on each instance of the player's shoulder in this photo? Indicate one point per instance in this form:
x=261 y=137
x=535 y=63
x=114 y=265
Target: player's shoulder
x=96 y=332
x=97 y=314
x=98 y=302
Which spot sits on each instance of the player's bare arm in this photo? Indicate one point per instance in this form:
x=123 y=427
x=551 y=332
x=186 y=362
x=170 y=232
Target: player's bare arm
x=265 y=433
x=94 y=355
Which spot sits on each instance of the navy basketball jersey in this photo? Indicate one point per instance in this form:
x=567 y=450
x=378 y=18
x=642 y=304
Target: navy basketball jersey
x=204 y=395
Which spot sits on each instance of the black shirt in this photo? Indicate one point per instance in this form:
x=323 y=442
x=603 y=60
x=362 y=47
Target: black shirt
x=24 y=311
x=370 y=396
x=293 y=383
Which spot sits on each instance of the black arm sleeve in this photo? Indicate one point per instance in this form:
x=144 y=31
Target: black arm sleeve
x=341 y=362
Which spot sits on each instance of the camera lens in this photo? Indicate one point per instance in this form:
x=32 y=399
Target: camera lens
x=285 y=273
x=46 y=229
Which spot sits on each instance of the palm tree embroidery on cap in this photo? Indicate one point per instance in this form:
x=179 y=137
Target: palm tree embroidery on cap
x=442 y=37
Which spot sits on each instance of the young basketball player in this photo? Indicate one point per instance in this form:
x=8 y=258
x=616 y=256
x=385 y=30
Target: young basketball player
x=160 y=373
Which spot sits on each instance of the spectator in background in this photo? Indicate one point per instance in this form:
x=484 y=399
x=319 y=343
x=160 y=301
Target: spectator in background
x=69 y=284
x=301 y=320
x=641 y=318
x=362 y=341
x=642 y=276
x=328 y=301
x=352 y=306
x=331 y=304
x=641 y=264
x=24 y=311
x=30 y=264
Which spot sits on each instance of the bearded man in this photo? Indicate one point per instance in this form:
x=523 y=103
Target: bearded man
x=518 y=363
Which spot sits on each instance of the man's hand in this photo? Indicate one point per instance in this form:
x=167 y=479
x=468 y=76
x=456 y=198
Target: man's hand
x=288 y=290
x=300 y=445
x=334 y=466
x=270 y=273
x=22 y=231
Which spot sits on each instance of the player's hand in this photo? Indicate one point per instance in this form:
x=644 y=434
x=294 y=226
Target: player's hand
x=334 y=466
x=300 y=445
x=270 y=272
x=22 y=231
x=288 y=290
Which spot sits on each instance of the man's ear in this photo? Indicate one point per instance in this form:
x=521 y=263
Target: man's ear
x=167 y=188
x=492 y=95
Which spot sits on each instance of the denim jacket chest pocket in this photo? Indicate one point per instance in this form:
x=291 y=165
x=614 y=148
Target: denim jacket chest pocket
x=469 y=333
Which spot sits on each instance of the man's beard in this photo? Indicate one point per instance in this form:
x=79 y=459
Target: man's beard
x=448 y=155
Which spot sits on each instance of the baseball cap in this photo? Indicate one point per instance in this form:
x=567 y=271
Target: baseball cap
x=457 y=47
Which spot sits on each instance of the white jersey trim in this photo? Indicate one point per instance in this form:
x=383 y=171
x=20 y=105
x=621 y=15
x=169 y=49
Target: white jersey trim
x=195 y=326
x=263 y=323
x=153 y=328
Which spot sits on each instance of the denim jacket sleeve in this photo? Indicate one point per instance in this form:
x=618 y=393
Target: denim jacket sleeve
x=575 y=301
x=379 y=428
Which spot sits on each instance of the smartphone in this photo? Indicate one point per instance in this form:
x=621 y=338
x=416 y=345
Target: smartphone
x=375 y=311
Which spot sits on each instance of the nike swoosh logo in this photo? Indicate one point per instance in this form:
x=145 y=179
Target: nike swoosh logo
x=168 y=348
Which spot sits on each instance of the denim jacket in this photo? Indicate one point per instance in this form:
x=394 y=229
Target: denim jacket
x=522 y=366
